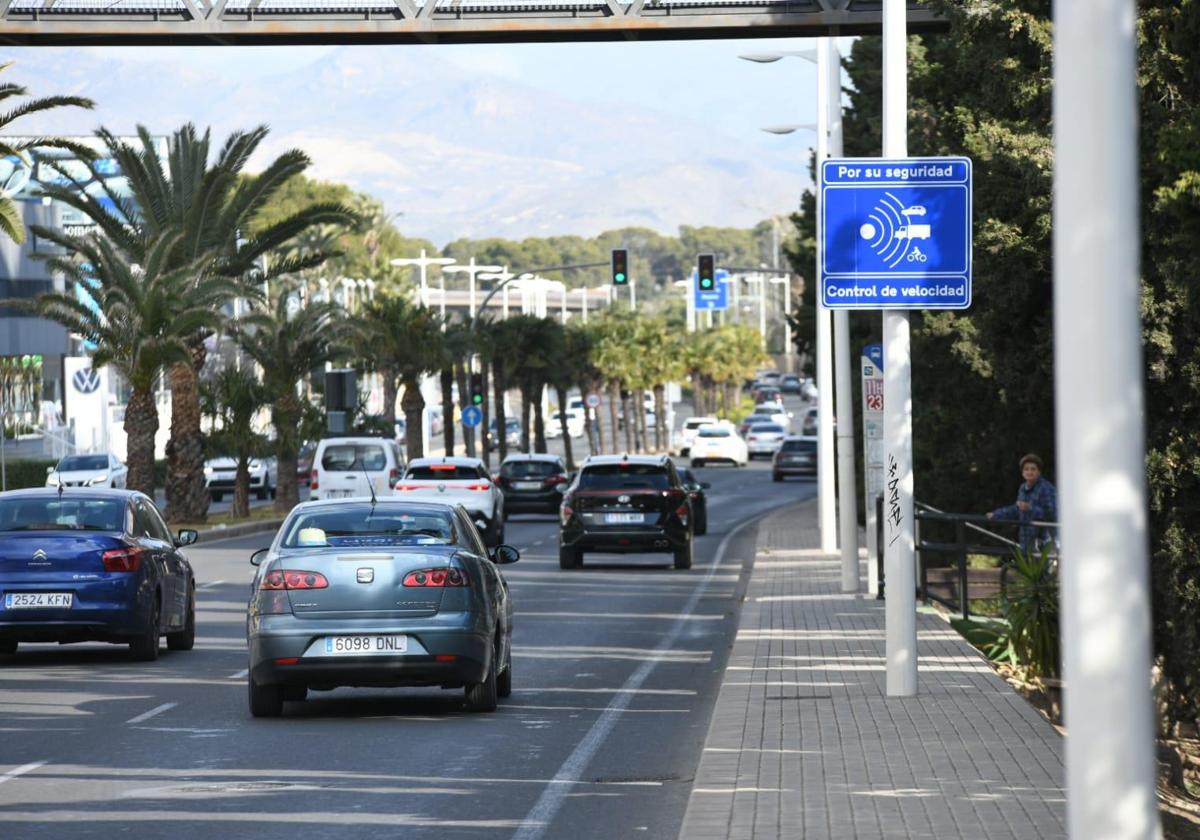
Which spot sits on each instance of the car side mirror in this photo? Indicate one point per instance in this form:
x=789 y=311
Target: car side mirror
x=186 y=536
x=692 y=487
x=257 y=557
x=504 y=554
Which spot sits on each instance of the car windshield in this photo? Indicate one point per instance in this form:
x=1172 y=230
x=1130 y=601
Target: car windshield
x=442 y=472
x=624 y=477
x=83 y=462
x=529 y=469
x=768 y=428
x=695 y=424
x=714 y=432
x=354 y=525
x=799 y=446
x=353 y=457
x=62 y=514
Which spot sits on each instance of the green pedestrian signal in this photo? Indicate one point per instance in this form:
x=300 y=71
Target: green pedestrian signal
x=706 y=275
x=620 y=267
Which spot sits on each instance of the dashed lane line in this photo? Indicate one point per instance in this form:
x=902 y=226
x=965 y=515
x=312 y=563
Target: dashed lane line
x=157 y=710
x=20 y=771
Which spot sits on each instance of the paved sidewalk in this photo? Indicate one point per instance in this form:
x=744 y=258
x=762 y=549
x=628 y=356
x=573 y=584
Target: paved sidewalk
x=804 y=742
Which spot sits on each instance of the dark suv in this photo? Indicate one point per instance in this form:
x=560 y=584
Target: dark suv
x=532 y=483
x=795 y=456
x=626 y=504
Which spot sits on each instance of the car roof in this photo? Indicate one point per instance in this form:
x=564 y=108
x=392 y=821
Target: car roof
x=532 y=456
x=355 y=439
x=405 y=500
x=456 y=460
x=74 y=493
x=649 y=460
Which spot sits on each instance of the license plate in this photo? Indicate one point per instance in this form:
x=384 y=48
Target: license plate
x=527 y=485
x=623 y=518
x=361 y=646
x=339 y=494
x=37 y=600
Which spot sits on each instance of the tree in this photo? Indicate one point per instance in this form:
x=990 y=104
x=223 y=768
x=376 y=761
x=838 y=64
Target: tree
x=10 y=216
x=142 y=320
x=211 y=206
x=231 y=399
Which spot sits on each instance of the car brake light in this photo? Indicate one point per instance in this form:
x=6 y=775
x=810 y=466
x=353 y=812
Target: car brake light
x=313 y=484
x=393 y=477
x=437 y=578
x=293 y=579
x=442 y=467
x=484 y=486
x=554 y=480
x=683 y=512
x=122 y=559
x=407 y=487
x=566 y=512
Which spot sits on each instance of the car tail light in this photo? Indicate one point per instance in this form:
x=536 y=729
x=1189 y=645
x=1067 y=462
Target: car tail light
x=122 y=559
x=313 y=484
x=566 y=512
x=293 y=579
x=554 y=480
x=437 y=578
x=407 y=487
x=499 y=479
x=484 y=486
x=683 y=512
x=393 y=477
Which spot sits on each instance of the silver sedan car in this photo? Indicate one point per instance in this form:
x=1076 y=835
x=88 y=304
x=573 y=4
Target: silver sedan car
x=359 y=592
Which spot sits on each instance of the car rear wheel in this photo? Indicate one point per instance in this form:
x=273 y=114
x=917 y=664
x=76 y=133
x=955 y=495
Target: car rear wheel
x=262 y=493
x=8 y=647
x=569 y=558
x=481 y=696
x=185 y=639
x=145 y=647
x=265 y=700
x=683 y=556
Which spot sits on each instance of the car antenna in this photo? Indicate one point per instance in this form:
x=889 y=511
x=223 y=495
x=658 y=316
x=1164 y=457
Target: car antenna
x=370 y=484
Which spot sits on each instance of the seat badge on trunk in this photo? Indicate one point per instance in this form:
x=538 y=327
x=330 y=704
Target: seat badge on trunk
x=366 y=575
x=623 y=499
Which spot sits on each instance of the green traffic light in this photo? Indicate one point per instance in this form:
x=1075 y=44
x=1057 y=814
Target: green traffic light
x=620 y=278
x=477 y=398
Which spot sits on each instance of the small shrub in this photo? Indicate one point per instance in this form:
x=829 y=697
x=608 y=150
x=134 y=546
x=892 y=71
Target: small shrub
x=1031 y=609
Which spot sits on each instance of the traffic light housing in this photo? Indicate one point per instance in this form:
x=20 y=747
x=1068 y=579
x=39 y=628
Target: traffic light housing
x=620 y=267
x=706 y=273
x=477 y=390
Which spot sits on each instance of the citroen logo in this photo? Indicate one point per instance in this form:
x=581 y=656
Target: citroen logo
x=39 y=555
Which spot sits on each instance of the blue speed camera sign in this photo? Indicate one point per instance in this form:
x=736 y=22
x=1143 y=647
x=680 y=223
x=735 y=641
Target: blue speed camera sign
x=897 y=233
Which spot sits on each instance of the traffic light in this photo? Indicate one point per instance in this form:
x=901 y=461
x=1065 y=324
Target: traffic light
x=477 y=389
x=620 y=267
x=706 y=275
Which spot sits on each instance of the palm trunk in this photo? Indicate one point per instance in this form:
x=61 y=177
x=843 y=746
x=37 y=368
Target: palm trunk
x=561 y=395
x=525 y=404
x=241 y=489
x=187 y=497
x=413 y=405
x=614 y=400
x=448 y=409
x=141 y=425
x=660 y=417
x=285 y=416
x=460 y=375
x=501 y=442
x=641 y=419
x=389 y=397
x=539 y=422
x=630 y=420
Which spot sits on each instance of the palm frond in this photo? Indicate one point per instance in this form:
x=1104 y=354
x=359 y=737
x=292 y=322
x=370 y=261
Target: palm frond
x=46 y=103
x=10 y=220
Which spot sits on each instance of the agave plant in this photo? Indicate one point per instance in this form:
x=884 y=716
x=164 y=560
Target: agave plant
x=1030 y=606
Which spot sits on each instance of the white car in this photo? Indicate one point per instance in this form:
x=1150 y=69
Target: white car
x=345 y=467
x=98 y=470
x=808 y=391
x=719 y=442
x=764 y=438
x=458 y=481
x=775 y=412
x=688 y=433
x=574 y=424
x=220 y=475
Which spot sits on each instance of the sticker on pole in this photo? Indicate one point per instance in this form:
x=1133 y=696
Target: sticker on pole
x=472 y=416
x=897 y=233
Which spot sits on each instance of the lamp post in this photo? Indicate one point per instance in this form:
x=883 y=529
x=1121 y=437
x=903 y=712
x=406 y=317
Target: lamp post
x=786 y=282
x=503 y=275
x=472 y=271
x=423 y=262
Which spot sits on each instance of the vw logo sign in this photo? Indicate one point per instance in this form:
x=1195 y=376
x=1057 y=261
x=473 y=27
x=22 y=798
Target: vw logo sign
x=86 y=380
x=39 y=555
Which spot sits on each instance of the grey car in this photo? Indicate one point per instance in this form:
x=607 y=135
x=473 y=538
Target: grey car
x=359 y=592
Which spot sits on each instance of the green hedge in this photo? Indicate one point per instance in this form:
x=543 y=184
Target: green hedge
x=31 y=472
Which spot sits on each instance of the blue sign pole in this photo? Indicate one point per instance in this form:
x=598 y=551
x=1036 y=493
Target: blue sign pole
x=897 y=233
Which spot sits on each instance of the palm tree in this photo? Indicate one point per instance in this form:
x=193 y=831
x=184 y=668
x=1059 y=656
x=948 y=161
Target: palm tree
x=534 y=350
x=457 y=347
x=10 y=216
x=232 y=398
x=214 y=208
x=288 y=342
x=143 y=319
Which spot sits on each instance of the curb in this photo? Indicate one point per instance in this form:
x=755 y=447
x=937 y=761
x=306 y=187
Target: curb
x=225 y=532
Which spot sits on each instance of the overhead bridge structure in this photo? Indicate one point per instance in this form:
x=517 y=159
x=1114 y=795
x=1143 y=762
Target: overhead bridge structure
x=219 y=22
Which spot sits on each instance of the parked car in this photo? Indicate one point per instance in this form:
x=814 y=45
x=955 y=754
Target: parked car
x=688 y=432
x=808 y=391
x=624 y=504
x=512 y=432
x=574 y=424
x=401 y=431
x=102 y=469
x=220 y=476
x=532 y=483
x=461 y=481
x=344 y=467
x=304 y=460
x=808 y=425
x=393 y=592
x=695 y=489
x=93 y=565
x=764 y=439
x=719 y=442
x=795 y=456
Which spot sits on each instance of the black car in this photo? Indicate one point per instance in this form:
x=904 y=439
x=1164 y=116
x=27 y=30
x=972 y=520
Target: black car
x=695 y=489
x=532 y=483
x=626 y=504
x=795 y=456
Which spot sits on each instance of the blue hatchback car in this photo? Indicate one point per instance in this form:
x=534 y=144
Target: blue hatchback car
x=93 y=565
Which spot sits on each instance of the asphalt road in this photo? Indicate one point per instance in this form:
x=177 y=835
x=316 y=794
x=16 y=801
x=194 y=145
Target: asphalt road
x=616 y=669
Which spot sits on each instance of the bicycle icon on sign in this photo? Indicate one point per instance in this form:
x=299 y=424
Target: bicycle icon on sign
x=917 y=255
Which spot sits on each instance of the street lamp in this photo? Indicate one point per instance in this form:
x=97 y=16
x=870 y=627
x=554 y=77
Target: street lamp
x=472 y=270
x=423 y=262
x=788 y=128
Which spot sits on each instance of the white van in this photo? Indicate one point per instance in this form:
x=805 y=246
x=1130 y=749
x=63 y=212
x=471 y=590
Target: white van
x=343 y=466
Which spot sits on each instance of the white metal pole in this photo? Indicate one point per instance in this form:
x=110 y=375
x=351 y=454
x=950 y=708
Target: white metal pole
x=562 y=299
x=847 y=474
x=787 y=325
x=585 y=302
x=1101 y=455
x=632 y=295
x=442 y=303
x=826 y=504
x=471 y=293
x=762 y=309
x=899 y=556
x=735 y=280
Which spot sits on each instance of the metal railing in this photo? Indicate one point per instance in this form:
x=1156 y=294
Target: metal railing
x=953 y=578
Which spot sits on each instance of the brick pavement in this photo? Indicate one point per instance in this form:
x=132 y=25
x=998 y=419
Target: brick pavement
x=804 y=742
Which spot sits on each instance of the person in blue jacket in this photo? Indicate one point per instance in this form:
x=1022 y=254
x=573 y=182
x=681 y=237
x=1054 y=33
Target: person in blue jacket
x=1037 y=501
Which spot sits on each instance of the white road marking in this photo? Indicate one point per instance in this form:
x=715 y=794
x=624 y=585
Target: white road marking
x=20 y=771
x=210 y=584
x=538 y=820
x=242 y=673
x=157 y=710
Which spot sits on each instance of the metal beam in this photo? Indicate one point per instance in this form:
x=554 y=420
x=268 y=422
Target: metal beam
x=155 y=22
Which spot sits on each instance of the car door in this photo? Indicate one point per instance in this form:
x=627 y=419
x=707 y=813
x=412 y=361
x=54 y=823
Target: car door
x=175 y=565
x=495 y=586
x=156 y=551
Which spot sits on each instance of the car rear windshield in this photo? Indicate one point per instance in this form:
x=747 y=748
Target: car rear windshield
x=353 y=457
x=799 y=446
x=695 y=424
x=767 y=428
x=62 y=514
x=368 y=525
x=83 y=462
x=442 y=472
x=625 y=477
x=530 y=469
x=714 y=432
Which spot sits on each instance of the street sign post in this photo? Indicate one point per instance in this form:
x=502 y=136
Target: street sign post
x=897 y=233
x=872 y=419
x=717 y=299
x=472 y=416
x=592 y=400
